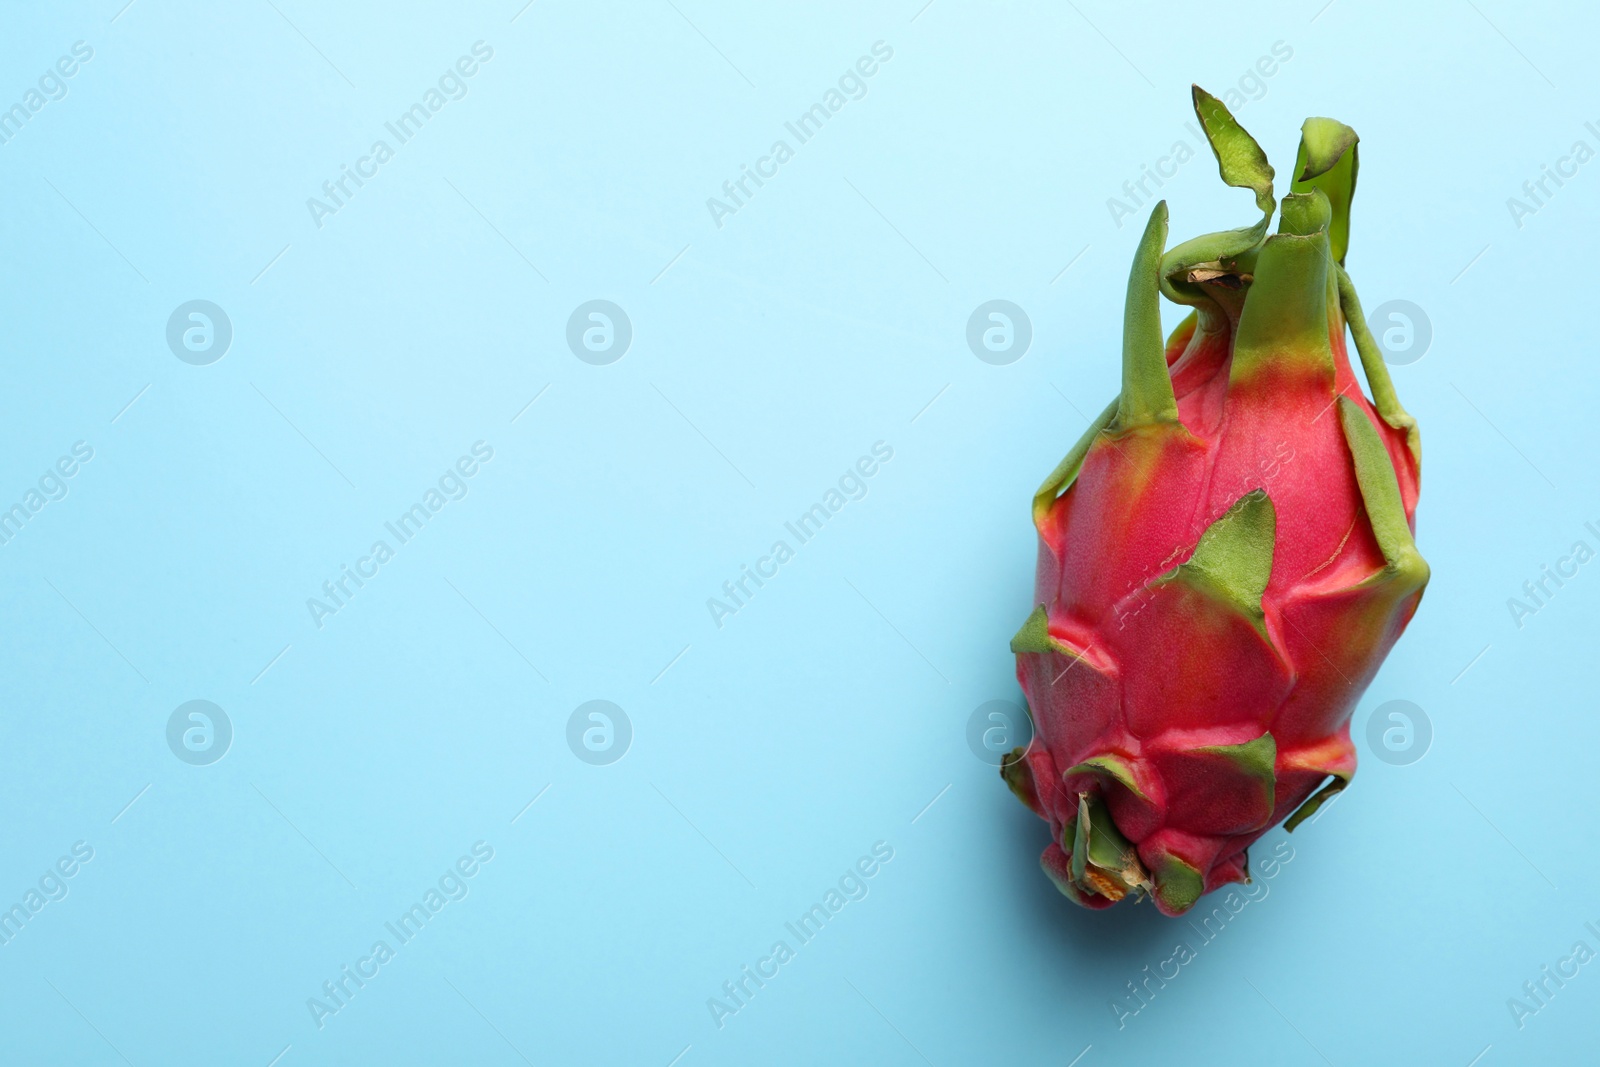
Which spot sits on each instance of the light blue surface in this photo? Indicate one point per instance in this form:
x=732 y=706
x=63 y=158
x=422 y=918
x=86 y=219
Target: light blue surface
x=826 y=314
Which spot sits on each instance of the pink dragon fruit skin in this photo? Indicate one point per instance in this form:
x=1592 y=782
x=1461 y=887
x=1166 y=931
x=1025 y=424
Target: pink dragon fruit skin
x=1226 y=557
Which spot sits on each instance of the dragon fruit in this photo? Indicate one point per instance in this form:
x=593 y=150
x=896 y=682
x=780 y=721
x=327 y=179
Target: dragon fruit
x=1225 y=557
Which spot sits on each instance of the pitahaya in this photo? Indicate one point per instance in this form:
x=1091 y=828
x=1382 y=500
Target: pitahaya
x=1226 y=556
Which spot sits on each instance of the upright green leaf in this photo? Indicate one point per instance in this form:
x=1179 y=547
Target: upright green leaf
x=1146 y=384
x=1328 y=160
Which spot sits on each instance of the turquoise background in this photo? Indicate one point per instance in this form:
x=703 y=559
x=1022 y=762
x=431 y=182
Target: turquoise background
x=771 y=753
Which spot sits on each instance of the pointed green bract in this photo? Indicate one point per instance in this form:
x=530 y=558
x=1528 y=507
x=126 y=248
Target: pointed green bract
x=1019 y=777
x=1384 y=398
x=1233 y=561
x=1285 y=320
x=1177 y=883
x=1240 y=160
x=1221 y=250
x=1102 y=861
x=1108 y=849
x=1380 y=493
x=1146 y=386
x=1034 y=636
x=1305 y=214
x=1080 y=840
x=1254 y=759
x=1111 y=766
x=1328 y=160
x=1315 y=801
x=1242 y=165
x=1061 y=478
